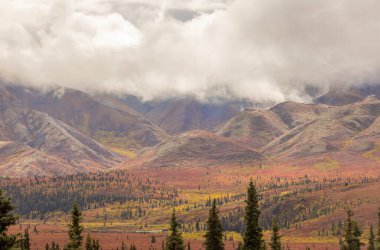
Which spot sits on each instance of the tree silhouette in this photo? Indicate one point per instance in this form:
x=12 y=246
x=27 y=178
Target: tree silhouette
x=175 y=240
x=253 y=235
x=214 y=234
x=7 y=218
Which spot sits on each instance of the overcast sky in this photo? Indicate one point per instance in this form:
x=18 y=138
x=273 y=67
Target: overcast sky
x=264 y=50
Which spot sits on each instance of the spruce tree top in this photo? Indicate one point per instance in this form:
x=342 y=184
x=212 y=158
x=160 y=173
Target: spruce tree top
x=75 y=229
x=275 y=243
x=214 y=234
x=253 y=236
x=7 y=217
x=175 y=240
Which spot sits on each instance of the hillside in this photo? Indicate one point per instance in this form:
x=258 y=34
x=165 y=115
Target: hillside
x=179 y=115
x=349 y=129
x=258 y=128
x=198 y=148
x=106 y=120
x=35 y=143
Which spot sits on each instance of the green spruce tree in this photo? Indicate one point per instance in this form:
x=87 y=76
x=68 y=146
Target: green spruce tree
x=214 y=234
x=371 y=239
x=54 y=246
x=174 y=240
x=25 y=242
x=253 y=235
x=75 y=229
x=95 y=245
x=352 y=234
x=123 y=246
x=88 y=245
x=7 y=218
x=275 y=243
x=133 y=247
x=378 y=230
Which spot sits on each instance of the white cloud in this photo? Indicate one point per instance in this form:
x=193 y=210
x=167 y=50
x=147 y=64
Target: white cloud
x=263 y=50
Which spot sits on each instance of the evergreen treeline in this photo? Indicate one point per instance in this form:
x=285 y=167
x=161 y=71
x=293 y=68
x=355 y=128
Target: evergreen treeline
x=214 y=237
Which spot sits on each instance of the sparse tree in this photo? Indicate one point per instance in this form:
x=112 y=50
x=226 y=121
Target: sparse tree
x=352 y=234
x=88 y=245
x=123 y=246
x=25 y=242
x=253 y=235
x=175 y=240
x=7 y=218
x=214 y=234
x=275 y=243
x=371 y=239
x=75 y=229
x=378 y=229
x=133 y=247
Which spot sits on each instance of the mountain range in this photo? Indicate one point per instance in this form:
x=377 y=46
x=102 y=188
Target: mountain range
x=62 y=131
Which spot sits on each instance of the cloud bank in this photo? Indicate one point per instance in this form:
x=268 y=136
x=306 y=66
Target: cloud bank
x=269 y=50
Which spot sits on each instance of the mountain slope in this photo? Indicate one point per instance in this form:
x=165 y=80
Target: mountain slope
x=340 y=97
x=185 y=114
x=196 y=148
x=348 y=128
x=257 y=128
x=50 y=146
x=104 y=119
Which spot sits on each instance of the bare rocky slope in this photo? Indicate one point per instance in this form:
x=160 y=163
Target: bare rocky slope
x=197 y=148
x=33 y=142
x=106 y=120
x=185 y=114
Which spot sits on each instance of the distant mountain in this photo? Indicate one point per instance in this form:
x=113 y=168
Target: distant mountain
x=346 y=134
x=348 y=128
x=176 y=116
x=339 y=97
x=105 y=119
x=196 y=148
x=33 y=142
x=258 y=128
x=185 y=114
x=66 y=131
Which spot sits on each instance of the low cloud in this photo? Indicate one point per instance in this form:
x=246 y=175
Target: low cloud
x=269 y=50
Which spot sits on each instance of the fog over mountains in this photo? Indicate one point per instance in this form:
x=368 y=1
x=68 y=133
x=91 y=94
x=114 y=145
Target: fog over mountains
x=66 y=131
x=270 y=51
x=93 y=85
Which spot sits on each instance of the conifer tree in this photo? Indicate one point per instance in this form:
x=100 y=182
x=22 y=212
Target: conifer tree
x=25 y=242
x=253 y=235
x=175 y=240
x=54 y=246
x=7 y=218
x=378 y=229
x=75 y=229
x=95 y=245
x=371 y=239
x=352 y=234
x=214 y=234
x=275 y=243
x=88 y=245
x=133 y=247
